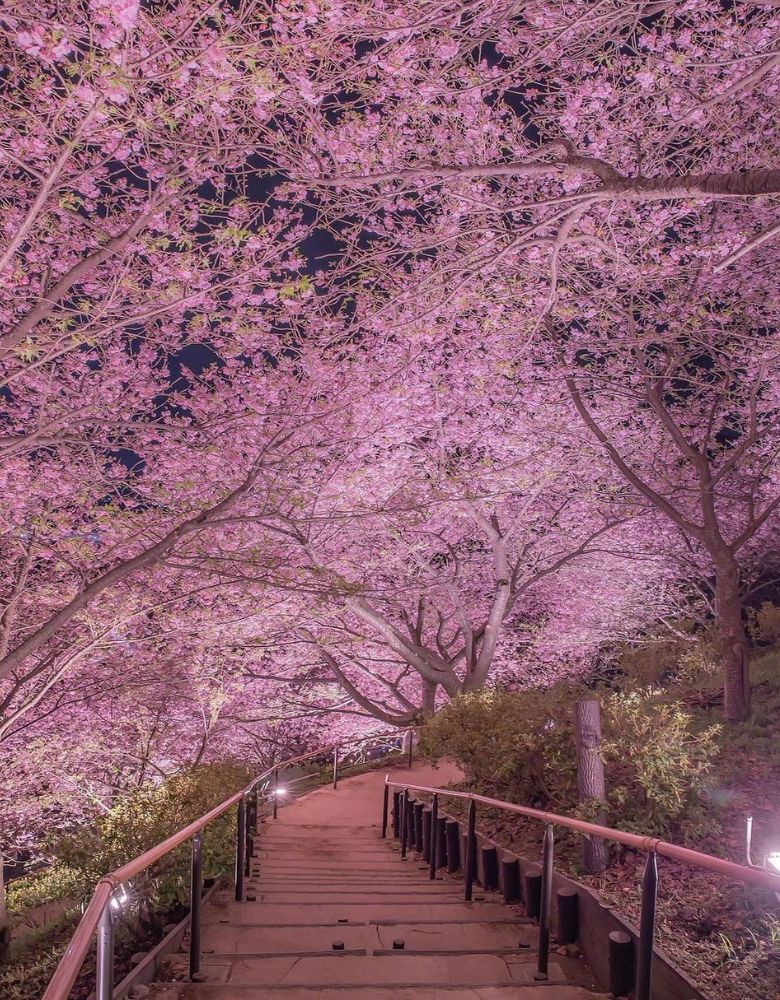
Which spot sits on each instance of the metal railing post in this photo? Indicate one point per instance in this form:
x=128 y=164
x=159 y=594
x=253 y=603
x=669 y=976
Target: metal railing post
x=335 y=767
x=404 y=822
x=248 y=839
x=276 y=791
x=385 y=804
x=104 y=976
x=546 y=903
x=434 y=835
x=411 y=747
x=196 y=890
x=644 y=965
x=240 y=847
x=471 y=851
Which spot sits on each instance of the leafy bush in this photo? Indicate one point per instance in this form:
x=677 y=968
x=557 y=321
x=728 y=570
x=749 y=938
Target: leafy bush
x=52 y=884
x=515 y=746
x=521 y=747
x=656 y=760
x=146 y=816
x=764 y=623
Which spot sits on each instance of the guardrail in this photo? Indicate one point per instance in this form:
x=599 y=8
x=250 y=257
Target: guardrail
x=652 y=846
x=98 y=917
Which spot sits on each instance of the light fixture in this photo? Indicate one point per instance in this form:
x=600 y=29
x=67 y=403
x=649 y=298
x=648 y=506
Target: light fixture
x=117 y=902
x=280 y=792
x=773 y=860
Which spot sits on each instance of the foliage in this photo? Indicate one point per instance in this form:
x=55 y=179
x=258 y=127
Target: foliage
x=521 y=746
x=145 y=817
x=765 y=623
x=656 y=760
x=61 y=881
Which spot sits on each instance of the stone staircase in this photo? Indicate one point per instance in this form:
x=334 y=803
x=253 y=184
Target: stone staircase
x=331 y=911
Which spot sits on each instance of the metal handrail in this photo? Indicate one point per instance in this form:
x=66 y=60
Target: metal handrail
x=404 y=827
x=759 y=877
x=69 y=965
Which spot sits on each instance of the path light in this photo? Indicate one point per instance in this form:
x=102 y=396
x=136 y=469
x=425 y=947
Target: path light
x=117 y=902
x=281 y=792
x=772 y=860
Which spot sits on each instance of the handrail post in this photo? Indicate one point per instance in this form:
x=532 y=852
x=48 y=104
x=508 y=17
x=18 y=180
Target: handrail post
x=335 y=766
x=240 y=847
x=404 y=822
x=196 y=890
x=248 y=840
x=385 y=803
x=411 y=747
x=104 y=976
x=471 y=851
x=644 y=965
x=434 y=832
x=276 y=791
x=546 y=903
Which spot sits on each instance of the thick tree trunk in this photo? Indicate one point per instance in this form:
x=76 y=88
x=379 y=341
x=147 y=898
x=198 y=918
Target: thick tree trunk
x=590 y=777
x=733 y=640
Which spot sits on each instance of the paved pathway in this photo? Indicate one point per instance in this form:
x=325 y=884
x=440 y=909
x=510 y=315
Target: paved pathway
x=331 y=911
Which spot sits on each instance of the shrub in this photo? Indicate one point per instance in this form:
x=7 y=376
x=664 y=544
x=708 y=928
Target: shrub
x=764 y=624
x=148 y=815
x=656 y=761
x=521 y=747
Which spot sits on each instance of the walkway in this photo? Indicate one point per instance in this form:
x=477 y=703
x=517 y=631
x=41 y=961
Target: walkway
x=332 y=911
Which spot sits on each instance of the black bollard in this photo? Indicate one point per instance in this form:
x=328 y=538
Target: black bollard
x=533 y=896
x=621 y=963
x=568 y=916
x=452 y=828
x=489 y=868
x=510 y=880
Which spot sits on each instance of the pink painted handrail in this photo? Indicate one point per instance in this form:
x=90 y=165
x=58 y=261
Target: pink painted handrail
x=759 y=877
x=68 y=968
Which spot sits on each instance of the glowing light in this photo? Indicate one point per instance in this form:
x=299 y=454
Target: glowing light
x=117 y=902
x=280 y=792
x=773 y=860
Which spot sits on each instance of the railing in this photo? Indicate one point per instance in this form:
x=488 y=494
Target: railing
x=652 y=846
x=98 y=917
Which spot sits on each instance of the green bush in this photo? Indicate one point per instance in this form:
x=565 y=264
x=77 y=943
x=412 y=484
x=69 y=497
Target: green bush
x=521 y=747
x=514 y=746
x=656 y=761
x=147 y=816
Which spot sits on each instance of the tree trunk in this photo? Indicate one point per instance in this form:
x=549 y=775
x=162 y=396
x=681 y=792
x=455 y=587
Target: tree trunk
x=590 y=777
x=733 y=640
x=5 y=930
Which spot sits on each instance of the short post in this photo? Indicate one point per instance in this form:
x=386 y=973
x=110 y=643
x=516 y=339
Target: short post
x=411 y=747
x=396 y=814
x=545 y=904
x=568 y=916
x=489 y=868
x=104 y=976
x=335 y=767
x=471 y=852
x=404 y=821
x=276 y=791
x=441 y=835
x=417 y=812
x=644 y=965
x=240 y=847
x=385 y=804
x=196 y=890
x=452 y=828
x=426 y=834
x=621 y=963
x=434 y=835
x=510 y=880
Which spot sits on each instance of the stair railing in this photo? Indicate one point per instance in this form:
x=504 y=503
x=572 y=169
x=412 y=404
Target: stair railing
x=98 y=917
x=404 y=822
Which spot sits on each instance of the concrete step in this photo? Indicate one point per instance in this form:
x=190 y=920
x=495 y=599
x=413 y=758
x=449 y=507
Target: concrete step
x=259 y=914
x=387 y=969
x=347 y=896
x=536 y=991
x=448 y=936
